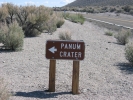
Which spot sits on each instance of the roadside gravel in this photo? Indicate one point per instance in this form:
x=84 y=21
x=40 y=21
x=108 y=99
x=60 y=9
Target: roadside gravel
x=104 y=73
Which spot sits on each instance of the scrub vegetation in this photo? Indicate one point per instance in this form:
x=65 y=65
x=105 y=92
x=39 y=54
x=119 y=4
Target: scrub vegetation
x=17 y=22
x=4 y=94
x=12 y=36
x=65 y=35
x=76 y=18
x=129 y=52
x=109 y=33
x=123 y=36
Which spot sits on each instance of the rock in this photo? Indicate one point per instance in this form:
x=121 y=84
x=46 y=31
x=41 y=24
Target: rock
x=84 y=90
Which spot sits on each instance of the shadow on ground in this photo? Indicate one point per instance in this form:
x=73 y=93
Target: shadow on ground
x=40 y=94
x=5 y=50
x=125 y=68
x=118 y=43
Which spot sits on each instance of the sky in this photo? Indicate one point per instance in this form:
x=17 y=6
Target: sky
x=48 y=3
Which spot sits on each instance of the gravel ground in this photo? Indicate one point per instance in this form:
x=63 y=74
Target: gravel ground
x=104 y=73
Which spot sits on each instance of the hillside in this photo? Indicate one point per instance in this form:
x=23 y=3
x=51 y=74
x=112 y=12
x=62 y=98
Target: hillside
x=100 y=3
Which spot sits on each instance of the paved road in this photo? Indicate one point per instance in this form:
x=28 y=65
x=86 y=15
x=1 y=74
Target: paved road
x=127 y=22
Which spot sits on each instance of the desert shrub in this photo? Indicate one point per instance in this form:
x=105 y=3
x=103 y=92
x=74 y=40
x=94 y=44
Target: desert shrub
x=109 y=33
x=55 y=21
x=59 y=19
x=4 y=94
x=81 y=19
x=112 y=9
x=84 y=10
x=11 y=9
x=50 y=25
x=90 y=10
x=123 y=36
x=126 y=8
x=119 y=11
x=32 y=19
x=12 y=36
x=60 y=22
x=3 y=31
x=104 y=8
x=3 y=14
x=131 y=12
x=76 y=18
x=66 y=15
x=64 y=35
x=129 y=52
x=102 y=11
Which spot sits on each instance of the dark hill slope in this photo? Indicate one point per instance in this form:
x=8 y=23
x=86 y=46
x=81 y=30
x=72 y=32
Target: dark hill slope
x=100 y=3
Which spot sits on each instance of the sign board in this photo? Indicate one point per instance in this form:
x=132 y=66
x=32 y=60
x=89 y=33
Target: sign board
x=65 y=49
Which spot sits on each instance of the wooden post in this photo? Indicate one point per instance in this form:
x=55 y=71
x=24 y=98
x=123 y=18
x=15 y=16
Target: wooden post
x=75 y=78
x=52 y=69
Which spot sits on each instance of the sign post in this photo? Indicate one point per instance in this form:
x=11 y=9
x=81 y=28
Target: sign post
x=75 y=78
x=52 y=70
x=66 y=50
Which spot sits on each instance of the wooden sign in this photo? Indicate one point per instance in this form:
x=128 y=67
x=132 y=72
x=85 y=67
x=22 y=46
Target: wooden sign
x=62 y=49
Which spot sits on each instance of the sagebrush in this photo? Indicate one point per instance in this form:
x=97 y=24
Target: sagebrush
x=12 y=36
x=60 y=22
x=65 y=35
x=123 y=36
x=129 y=51
x=33 y=19
x=50 y=25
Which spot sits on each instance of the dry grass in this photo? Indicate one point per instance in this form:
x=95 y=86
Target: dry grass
x=4 y=94
x=123 y=36
x=109 y=33
x=76 y=18
x=129 y=51
x=65 y=35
